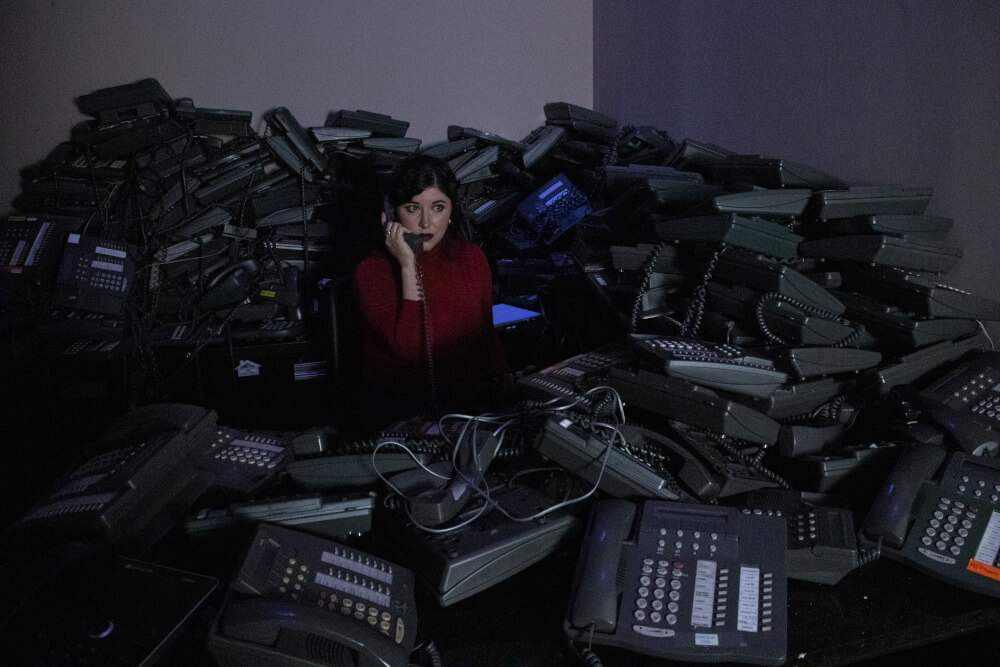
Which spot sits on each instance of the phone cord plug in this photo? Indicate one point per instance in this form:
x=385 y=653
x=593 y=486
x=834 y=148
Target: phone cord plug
x=696 y=309
x=428 y=339
x=770 y=297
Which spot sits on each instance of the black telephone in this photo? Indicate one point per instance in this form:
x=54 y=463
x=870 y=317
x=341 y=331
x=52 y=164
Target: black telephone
x=301 y=599
x=682 y=582
x=95 y=274
x=692 y=404
x=244 y=462
x=945 y=523
x=118 y=493
x=570 y=378
x=415 y=241
x=489 y=547
x=966 y=403
x=648 y=464
x=359 y=464
x=720 y=366
x=30 y=246
x=822 y=543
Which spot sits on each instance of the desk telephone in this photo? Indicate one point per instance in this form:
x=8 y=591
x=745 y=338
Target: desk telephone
x=966 y=403
x=115 y=494
x=31 y=245
x=299 y=599
x=95 y=274
x=692 y=404
x=682 y=582
x=570 y=378
x=244 y=461
x=648 y=464
x=942 y=520
x=715 y=365
x=822 y=543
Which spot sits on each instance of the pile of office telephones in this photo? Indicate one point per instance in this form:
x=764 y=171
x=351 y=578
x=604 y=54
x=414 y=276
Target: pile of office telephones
x=768 y=381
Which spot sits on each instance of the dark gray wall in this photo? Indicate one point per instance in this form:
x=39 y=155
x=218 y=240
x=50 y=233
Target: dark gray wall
x=896 y=91
x=487 y=65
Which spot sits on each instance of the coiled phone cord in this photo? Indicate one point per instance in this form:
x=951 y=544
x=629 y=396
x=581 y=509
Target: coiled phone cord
x=647 y=276
x=428 y=339
x=754 y=463
x=696 y=309
x=866 y=556
x=770 y=297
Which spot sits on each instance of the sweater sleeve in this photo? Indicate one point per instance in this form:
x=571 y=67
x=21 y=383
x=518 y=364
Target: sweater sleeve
x=389 y=317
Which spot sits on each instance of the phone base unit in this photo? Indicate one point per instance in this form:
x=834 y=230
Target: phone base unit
x=822 y=544
x=244 y=462
x=954 y=528
x=303 y=600
x=492 y=548
x=682 y=582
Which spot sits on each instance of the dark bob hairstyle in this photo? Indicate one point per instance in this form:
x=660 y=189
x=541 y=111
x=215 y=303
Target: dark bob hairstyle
x=415 y=173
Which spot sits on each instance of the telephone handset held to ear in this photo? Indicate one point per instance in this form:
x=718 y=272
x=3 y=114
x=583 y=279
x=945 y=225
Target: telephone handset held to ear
x=415 y=241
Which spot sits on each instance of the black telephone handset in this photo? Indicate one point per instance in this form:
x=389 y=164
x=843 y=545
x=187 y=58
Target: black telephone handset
x=229 y=285
x=302 y=599
x=683 y=582
x=945 y=523
x=415 y=241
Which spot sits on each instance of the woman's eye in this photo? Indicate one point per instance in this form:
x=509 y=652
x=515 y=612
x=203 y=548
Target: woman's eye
x=410 y=209
x=438 y=208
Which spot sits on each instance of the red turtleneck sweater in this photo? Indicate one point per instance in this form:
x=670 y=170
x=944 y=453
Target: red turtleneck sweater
x=458 y=290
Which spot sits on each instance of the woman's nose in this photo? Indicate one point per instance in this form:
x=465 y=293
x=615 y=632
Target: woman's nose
x=424 y=221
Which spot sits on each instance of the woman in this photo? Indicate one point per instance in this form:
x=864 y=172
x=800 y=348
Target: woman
x=428 y=315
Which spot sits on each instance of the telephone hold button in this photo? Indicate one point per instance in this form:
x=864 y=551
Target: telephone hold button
x=650 y=631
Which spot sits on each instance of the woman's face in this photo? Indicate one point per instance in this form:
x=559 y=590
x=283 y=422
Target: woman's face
x=426 y=214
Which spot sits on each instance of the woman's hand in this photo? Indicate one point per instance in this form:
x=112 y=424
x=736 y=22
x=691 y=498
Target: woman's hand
x=396 y=244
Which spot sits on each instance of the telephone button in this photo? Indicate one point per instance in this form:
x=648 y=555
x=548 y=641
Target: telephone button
x=641 y=603
x=650 y=631
x=927 y=541
x=640 y=615
x=643 y=592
